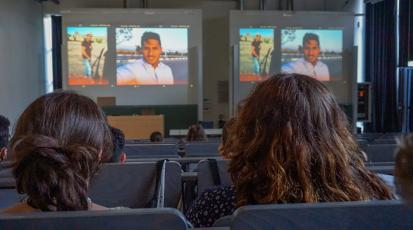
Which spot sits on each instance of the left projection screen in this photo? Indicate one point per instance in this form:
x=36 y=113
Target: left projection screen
x=139 y=56
x=86 y=50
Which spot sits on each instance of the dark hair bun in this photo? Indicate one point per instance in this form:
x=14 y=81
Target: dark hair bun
x=53 y=177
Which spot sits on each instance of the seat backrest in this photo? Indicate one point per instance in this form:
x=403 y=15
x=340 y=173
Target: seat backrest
x=188 y=163
x=132 y=185
x=336 y=215
x=205 y=177
x=129 y=185
x=385 y=141
x=383 y=169
x=147 y=141
x=373 y=164
x=9 y=197
x=6 y=178
x=154 y=219
x=150 y=150
x=8 y=193
x=197 y=149
x=368 y=136
x=381 y=152
x=363 y=144
x=224 y=221
x=5 y=170
x=390 y=136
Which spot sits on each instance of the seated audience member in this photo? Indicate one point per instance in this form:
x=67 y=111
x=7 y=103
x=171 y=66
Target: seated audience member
x=196 y=133
x=289 y=143
x=4 y=137
x=221 y=121
x=156 y=137
x=403 y=170
x=118 y=140
x=181 y=147
x=58 y=144
x=225 y=136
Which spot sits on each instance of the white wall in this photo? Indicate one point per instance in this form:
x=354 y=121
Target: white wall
x=355 y=6
x=21 y=55
x=215 y=38
x=215 y=32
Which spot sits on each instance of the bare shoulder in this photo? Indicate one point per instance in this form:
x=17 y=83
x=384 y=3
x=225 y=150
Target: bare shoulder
x=97 y=207
x=24 y=208
x=19 y=208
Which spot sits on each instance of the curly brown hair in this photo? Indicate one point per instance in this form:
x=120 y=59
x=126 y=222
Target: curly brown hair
x=290 y=142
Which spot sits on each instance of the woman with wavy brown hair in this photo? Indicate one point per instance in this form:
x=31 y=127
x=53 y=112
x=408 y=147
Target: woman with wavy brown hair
x=58 y=144
x=196 y=132
x=290 y=143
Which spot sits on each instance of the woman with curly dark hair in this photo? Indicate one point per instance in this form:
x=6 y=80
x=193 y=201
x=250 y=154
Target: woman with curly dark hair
x=59 y=142
x=290 y=143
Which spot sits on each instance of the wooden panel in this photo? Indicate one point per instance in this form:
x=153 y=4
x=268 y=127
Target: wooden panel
x=138 y=127
x=106 y=101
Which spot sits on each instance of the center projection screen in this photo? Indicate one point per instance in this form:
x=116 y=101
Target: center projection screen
x=317 y=44
x=139 y=56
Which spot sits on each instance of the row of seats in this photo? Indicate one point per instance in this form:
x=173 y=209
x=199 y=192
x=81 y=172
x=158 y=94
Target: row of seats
x=129 y=185
x=383 y=138
x=380 y=152
x=170 y=140
x=332 y=215
x=335 y=215
x=133 y=184
x=376 y=152
x=171 y=150
x=152 y=218
x=370 y=138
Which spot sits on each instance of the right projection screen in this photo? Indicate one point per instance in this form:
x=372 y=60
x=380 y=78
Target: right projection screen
x=317 y=44
x=316 y=53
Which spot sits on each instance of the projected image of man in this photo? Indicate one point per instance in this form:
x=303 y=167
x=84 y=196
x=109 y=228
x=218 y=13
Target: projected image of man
x=309 y=65
x=87 y=55
x=149 y=70
x=255 y=53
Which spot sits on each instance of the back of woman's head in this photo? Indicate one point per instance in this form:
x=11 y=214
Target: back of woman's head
x=290 y=142
x=196 y=133
x=156 y=137
x=58 y=143
x=225 y=136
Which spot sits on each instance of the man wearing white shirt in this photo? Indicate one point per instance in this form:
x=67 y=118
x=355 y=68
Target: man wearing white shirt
x=148 y=70
x=309 y=65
